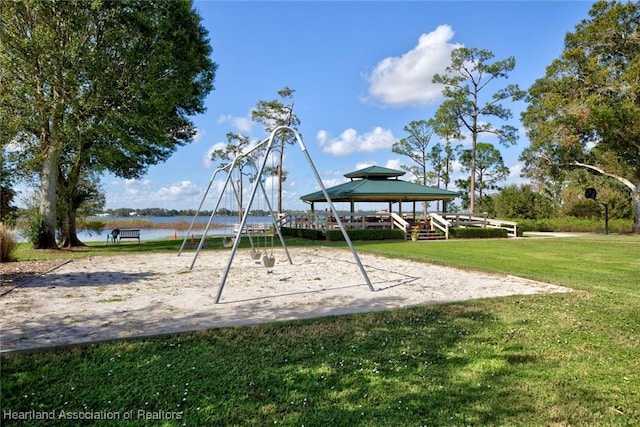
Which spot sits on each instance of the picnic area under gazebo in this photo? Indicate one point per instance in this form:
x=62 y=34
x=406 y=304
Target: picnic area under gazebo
x=374 y=184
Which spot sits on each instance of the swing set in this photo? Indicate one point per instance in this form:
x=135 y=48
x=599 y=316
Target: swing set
x=229 y=188
x=244 y=228
x=227 y=242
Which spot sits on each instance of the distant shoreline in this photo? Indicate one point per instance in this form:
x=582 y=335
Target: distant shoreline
x=148 y=224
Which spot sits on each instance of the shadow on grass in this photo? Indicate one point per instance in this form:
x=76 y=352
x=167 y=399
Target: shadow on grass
x=407 y=367
x=418 y=366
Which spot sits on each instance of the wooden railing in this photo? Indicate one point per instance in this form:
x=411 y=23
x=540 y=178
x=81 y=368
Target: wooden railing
x=362 y=220
x=326 y=221
x=510 y=226
x=399 y=222
x=440 y=223
x=466 y=219
x=480 y=220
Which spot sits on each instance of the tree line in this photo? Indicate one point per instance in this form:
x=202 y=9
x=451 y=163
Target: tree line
x=162 y=212
x=89 y=87
x=581 y=120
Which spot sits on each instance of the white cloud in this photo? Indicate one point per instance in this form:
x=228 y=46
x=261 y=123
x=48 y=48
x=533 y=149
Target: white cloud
x=206 y=157
x=349 y=141
x=270 y=183
x=394 y=164
x=391 y=164
x=199 y=136
x=456 y=167
x=138 y=194
x=176 y=191
x=406 y=80
x=514 y=177
x=330 y=183
x=135 y=187
x=363 y=165
x=241 y=124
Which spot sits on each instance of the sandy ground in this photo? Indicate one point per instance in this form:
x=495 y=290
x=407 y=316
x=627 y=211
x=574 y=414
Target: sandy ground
x=104 y=298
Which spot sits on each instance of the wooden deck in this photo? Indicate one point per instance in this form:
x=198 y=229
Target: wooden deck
x=351 y=220
x=428 y=228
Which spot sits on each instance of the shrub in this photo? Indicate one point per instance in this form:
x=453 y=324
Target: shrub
x=33 y=228
x=383 y=234
x=477 y=233
x=7 y=243
x=303 y=233
x=576 y=225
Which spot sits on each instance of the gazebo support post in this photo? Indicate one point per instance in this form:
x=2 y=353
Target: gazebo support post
x=352 y=208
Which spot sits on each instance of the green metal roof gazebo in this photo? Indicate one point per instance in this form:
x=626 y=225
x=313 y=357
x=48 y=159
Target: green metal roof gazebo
x=378 y=184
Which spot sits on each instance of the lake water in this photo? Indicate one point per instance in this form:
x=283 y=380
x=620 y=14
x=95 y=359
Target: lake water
x=227 y=223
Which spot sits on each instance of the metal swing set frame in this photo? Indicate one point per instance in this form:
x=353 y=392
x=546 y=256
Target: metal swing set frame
x=266 y=143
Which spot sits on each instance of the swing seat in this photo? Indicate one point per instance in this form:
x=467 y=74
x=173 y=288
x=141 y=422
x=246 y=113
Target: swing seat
x=268 y=261
x=255 y=254
x=227 y=242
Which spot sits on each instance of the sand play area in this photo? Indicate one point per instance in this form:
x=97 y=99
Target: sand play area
x=107 y=297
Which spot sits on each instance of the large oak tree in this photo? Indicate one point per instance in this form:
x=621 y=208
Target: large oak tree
x=98 y=86
x=584 y=113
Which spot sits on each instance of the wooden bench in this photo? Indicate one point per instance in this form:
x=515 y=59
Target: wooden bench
x=129 y=233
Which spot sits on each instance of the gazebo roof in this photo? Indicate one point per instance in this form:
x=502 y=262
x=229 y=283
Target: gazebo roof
x=375 y=172
x=375 y=185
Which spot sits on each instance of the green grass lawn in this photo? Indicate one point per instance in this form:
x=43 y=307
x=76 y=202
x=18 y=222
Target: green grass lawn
x=564 y=359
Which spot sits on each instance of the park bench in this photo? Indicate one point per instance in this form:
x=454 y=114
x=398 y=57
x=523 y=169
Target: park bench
x=124 y=233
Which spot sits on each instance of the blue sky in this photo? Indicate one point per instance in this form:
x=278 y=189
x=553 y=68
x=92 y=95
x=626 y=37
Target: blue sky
x=361 y=71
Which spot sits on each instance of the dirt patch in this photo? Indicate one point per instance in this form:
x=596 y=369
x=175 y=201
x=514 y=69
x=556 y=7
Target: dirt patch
x=106 y=297
x=15 y=273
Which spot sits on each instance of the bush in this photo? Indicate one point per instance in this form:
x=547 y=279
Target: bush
x=575 y=225
x=522 y=202
x=383 y=234
x=33 y=228
x=477 y=233
x=303 y=233
x=7 y=243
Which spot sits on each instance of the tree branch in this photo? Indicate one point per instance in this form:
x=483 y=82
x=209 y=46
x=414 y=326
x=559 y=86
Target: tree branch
x=601 y=171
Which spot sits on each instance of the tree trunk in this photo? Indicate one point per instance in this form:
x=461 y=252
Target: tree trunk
x=474 y=144
x=239 y=197
x=280 y=175
x=69 y=231
x=67 y=213
x=635 y=197
x=49 y=177
x=472 y=182
x=71 y=201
